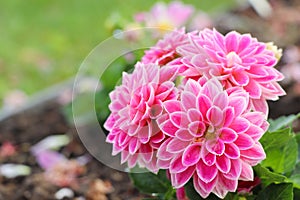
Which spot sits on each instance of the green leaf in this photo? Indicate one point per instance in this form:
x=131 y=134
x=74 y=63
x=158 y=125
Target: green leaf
x=266 y=175
x=282 y=191
x=150 y=183
x=282 y=122
x=296 y=194
x=295 y=179
x=281 y=149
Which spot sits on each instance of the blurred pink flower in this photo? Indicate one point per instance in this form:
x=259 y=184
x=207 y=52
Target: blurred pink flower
x=212 y=137
x=165 y=50
x=59 y=170
x=14 y=99
x=135 y=105
x=236 y=60
x=166 y=17
x=7 y=149
x=245 y=187
x=200 y=21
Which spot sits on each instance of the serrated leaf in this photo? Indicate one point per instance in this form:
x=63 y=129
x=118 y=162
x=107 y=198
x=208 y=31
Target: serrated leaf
x=281 y=149
x=282 y=191
x=267 y=176
x=282 y=122
x=150 y=183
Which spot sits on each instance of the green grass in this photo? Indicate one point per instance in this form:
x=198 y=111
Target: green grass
x=44 y=42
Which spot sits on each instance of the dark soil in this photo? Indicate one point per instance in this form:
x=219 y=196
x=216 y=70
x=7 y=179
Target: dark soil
x=29 y=127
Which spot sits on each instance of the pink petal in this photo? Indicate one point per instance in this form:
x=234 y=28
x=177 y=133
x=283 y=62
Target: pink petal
x=204 y=104
x=155 y=111
x=132 y=160
x=228 y=114
x=244 y=42
x=227 y=135
x=124 y=156
x=188 y=100
x=177 y=146
x=192 y=86
x=194 y=115
x=206 y=173
x=244 y=142
x=223 y=164
x=207 y=157
x=247 y=172
x=216 y=147
x=180 y=179
x=176 y=165
x=260 y=105
x=204 y=189
x=229 y=185
x=240 y=125
x=162 y=152
x=221 y=100
x=134 y=145
x=256 y=152
x=231 y=41
x=254 y=89
x=240 y=78
x=146 y=152
x=255 y=118
x=197 y=129
x=191 y=155
x=179 y=119
x=172 y=106
x=235 y=170
x=184 y=134
x=255 y=132
x=215 y=115
x=168 y=128
x=232 y=151
x=239 y=104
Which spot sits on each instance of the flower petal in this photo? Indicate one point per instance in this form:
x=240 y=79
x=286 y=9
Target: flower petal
x=223 y=164
x=188 y=100
x=232 y=151
x=216 y=147
x=191 y=155
x=206 y=173
x=235 y=170
x=177 y=145
x=227 y=135
x=176 y=165
x=215 y=115
x=244 y=141
x=180 y=179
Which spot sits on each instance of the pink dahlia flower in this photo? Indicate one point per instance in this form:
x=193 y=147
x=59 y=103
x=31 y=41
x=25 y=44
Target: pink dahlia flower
x=236 y=60
x=212 y=136
x=135 y=106
x=165 y=50
x=166 y=17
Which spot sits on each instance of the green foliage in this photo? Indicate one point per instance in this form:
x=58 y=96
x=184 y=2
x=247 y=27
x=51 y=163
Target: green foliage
x=158 y=185
x=267 y=176
x=281 y=122
x=281 y=149
x=282 y=191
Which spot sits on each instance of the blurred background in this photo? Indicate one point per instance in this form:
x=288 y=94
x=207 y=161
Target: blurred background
x=44 y=42
x=42 y=45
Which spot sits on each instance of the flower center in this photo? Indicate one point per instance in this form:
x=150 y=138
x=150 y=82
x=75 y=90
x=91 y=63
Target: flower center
x=210 y=133
x=232 y=59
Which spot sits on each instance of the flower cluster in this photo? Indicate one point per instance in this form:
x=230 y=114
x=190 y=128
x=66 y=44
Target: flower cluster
x=196 y=106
